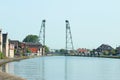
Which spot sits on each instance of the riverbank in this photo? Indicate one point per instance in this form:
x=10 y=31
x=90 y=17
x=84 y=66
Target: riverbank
x=115 y=57
x=7 y=76
x=102 y=56
x=3 y=61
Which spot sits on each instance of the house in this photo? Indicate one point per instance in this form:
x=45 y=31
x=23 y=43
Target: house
x=35 y=48
x=26 y=48
x=13 y=47
x=16 y=46
x=118 y=50
x=11 y=50
x=83 y=51
x=15 y=42
x=102 y=48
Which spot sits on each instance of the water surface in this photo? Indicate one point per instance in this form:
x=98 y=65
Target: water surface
x=66 y=68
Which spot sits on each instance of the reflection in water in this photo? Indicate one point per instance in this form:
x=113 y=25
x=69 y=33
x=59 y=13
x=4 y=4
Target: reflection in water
x=3 y=68
x=65 y=68
x=43 y=69
x=7 y=68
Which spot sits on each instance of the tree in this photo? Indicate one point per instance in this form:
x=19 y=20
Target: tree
x=106 y=52
x=46 y=49
x=31 y=38
x=62 y=50
x=28 y=50
x=113 y=52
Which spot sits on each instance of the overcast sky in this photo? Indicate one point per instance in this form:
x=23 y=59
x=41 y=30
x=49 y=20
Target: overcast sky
x=92 y=22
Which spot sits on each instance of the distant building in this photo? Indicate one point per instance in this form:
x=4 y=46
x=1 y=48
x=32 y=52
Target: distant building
x=35 y=48
x=83 y=51
x=118 y=50
x=15 y=42
x=11 y=50
x=16 y=46
x=27 y=47
x=103 y=47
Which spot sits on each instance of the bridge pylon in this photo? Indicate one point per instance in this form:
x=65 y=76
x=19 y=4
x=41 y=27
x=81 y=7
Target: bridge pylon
x=42 y=37
x=69 y=42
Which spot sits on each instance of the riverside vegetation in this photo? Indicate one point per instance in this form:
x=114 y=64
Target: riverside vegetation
x=2 y=55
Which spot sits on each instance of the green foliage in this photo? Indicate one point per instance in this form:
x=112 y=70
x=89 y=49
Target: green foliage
x=15 y=51
x=27 y=50
x=106 y=52
x=113 y=52
x=62 y=50
x=1 y=55
x=110 y=52
x=31 y=38
x=46 y=49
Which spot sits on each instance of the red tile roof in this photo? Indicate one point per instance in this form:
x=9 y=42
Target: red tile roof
x=33 y=50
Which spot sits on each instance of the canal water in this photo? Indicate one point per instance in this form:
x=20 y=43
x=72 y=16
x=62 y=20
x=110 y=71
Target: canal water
x=65 y=68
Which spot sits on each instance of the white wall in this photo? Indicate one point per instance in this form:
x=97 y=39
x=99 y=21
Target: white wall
x=11 y=50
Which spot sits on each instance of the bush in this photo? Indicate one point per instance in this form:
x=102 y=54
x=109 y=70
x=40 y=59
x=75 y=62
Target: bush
x=1 y=55
x=106 y=52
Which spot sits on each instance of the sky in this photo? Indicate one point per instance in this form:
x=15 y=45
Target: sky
x=92 y=22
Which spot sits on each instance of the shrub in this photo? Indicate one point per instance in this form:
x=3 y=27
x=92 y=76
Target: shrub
x=1 y=55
